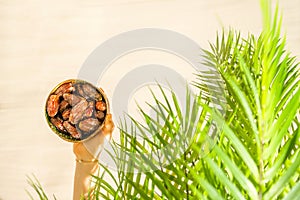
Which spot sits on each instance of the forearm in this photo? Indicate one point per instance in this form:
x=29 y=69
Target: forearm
x=88 y=165
x=82 y=178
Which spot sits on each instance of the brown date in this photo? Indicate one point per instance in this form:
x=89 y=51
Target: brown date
x=79 y=91
x=100 y=105
x=63 y=105
x=71 y=129
x=77 y=111
x=66 y=114
x=58 y=123
x=72 y=99
x=90 y=109
x=88 y=125
x=53 y=105
x=65 y=88
x=91 y=92
x=100 y=115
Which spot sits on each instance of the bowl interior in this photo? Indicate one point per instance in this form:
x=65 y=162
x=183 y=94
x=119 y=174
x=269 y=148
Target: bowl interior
x=64 y=134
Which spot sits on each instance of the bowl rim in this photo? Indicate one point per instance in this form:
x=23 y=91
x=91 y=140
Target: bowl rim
x=70 y=138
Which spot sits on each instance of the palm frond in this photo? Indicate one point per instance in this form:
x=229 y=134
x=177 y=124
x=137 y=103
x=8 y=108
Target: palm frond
x=152 y=166
x=36 y=185
x=257 y=154
x=262 y=81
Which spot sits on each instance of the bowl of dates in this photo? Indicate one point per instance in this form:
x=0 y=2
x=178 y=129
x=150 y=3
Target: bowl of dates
x=76 y=110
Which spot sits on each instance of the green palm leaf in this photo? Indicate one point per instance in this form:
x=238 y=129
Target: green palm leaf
x=256 y=156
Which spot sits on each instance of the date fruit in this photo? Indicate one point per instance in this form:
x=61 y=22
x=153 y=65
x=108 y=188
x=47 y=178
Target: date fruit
x=72 y=99
x=65 y=88
x=100 y=115
x=66 y=114
x=63 y=105
x=53 y=105
x=71 y=129
x=90 y=110
x=100 y=105
x=58 y=123
x=88 y=125
x=77 y=111
x=90 y=92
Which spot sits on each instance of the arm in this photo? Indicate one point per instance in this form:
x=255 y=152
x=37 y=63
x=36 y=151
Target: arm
x=86 y=164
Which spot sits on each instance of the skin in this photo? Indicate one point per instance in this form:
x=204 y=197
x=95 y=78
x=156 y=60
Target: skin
x=89 y=166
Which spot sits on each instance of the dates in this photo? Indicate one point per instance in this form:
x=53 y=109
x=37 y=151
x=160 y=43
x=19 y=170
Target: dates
x=66 y=114
x=76 y=109
x=90 y=110
x=100 y=115
x=91 y=92
x=53 y=105
x=100 y=105
x=65 y=88
x=63 y=105
x=58 y=123
x=71 y=129
x=89 y=124
x=72 y=99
